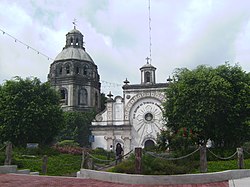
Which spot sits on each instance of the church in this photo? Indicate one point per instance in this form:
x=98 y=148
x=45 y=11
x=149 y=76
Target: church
x=135 y=119
x=132 y=120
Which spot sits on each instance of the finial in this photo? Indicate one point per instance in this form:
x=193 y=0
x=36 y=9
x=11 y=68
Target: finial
x=126 y=81
x=148 y=60
x=74 y=23
x=110 y=94
x=169 y=79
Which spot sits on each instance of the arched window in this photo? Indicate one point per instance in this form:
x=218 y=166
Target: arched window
x=71 y=41
x=67 y=69
x=60 y=70
x=77 y=41
x=83 y=97
x=147 y=77
x=85 y=70
x=64 y=96
x=96 y=99
x=77 y=70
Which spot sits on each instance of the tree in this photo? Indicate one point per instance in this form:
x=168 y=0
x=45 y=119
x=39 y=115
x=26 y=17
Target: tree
x=182 y=141
x=213 y=102
x=103 y=101
x=29 y=112
x=77 y=127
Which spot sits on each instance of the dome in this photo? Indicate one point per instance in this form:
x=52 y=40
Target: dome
x=74 y=48
x=74 y=53
x=147 y=66
x=73 y=31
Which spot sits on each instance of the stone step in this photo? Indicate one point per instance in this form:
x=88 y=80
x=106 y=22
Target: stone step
x=8 y=169
x=23 y=171
x=34 y=173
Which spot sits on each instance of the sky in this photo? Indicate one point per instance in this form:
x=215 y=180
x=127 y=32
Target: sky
x=184 y=34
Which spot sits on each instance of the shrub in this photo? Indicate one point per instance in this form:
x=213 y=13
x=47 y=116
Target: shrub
x=157 y=166
x=127 y=166
x=69 y=149
x=40 y=151
x=161 y=166
x=99 y=151
x=70 y=143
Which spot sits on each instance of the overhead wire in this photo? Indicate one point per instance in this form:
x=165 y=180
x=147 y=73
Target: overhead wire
x=149 y=30
x=26 y=45
x=108 y=84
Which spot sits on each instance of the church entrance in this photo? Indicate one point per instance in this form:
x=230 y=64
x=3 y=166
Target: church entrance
x=149 y=144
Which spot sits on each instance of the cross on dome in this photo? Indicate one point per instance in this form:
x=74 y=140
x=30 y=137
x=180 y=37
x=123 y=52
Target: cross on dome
x=74 y=23
x=148 y=60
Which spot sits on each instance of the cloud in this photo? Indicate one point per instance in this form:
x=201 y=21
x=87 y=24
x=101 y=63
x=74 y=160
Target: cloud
x=116 y=34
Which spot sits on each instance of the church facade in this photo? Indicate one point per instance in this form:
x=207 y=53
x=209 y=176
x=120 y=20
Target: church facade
x=75 y=75
x=135 y=119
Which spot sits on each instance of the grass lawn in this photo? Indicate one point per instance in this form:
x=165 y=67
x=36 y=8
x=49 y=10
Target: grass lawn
x=214 y=166
x=67 y=165
x=58 y=165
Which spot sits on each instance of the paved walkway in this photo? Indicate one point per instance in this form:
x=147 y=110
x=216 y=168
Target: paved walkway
x=244 y=182
x=15 y=180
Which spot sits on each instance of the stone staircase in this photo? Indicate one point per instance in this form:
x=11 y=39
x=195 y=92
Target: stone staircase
x=13 y=169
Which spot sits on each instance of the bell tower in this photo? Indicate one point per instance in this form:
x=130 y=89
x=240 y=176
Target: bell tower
x=74 y=39
x=75 y=75
x=148 y=73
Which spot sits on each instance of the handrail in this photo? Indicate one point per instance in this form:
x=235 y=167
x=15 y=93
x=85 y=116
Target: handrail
x=178 y=158
x=226 y=158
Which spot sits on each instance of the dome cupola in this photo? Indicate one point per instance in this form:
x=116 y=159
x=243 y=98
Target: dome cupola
x=148 y=73
x=74 y=48
x=74 y=38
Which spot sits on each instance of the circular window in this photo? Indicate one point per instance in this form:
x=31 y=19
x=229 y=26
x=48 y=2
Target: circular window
x=148 y=117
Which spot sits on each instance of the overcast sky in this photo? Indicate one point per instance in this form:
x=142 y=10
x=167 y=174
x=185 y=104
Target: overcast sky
x=185 y=33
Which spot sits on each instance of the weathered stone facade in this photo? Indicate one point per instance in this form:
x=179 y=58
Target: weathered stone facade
x=134 y=119
x=75 y=75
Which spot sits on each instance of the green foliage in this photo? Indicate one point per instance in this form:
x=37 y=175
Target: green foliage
x=58 y=165
x=221 y=152
x=74 y=150
x=246 y=148
x=160 y=166
x=213 y=102
x=181 y=141
x=40 y=151
x=156 y=166
x=77 y=127
x=99 y=151
x=68 y=164
x=102 y=154
x=64 y=164
x=127 y=166
x=215 y=166
x=29 y=112
x=71 y=143
x=34 y=164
